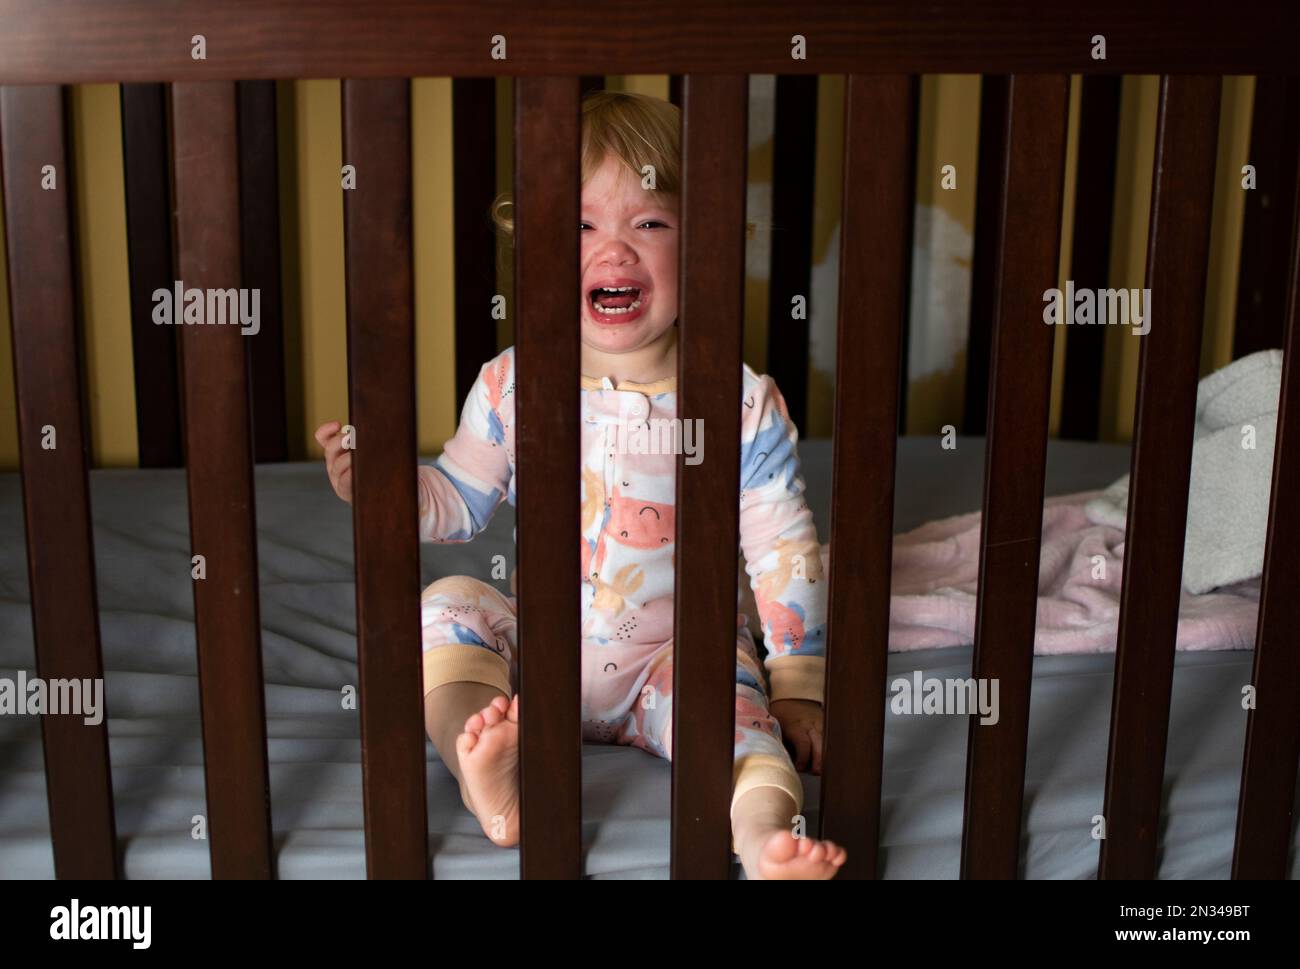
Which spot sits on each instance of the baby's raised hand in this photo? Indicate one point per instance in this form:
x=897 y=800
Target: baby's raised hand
x=801 y=730
x=338 y=461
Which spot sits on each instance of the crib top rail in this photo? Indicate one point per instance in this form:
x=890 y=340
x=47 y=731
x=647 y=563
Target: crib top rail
x=86 y=41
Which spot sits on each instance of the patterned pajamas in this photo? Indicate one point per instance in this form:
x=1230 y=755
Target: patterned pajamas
x=630 y=444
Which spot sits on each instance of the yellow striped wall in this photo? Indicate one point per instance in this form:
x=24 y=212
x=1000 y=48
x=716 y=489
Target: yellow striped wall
x=312 y=219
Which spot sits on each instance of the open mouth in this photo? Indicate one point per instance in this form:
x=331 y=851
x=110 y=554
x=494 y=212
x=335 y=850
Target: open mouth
x=617 y=301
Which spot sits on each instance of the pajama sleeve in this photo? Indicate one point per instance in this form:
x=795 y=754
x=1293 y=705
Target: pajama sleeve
x=461 y=490
x=779 y=539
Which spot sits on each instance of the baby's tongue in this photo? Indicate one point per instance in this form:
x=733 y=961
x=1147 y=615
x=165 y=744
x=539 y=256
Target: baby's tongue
x=616 y=301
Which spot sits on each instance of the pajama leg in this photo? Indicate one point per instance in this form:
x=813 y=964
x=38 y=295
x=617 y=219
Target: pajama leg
x=761 y=759
x=469 y=634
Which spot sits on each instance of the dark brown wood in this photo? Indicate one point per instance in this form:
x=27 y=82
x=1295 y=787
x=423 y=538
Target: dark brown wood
x=794 y=150
x=589 y=83
x=910 y=193
x=1094 y=204
x=1268 y=775
x=1014 y=461
x=219 y=461
x=548 y=361
x=875 y=251
x=381 y=405
x=712 y=254
x=1177 y=256
x=474 y=150
x=149 y=254
x=985 y=268
x=129 y=40
x=56 y=496
x=259 y=223
x=1266 y=226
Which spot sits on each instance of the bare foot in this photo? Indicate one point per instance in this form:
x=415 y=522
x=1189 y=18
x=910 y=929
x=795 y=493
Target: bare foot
x=774 y=853
x=488 y=754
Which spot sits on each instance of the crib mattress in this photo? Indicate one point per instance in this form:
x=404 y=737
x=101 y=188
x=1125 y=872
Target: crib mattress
x=309 y=653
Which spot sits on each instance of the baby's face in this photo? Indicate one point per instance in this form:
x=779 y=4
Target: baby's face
x=628 y=240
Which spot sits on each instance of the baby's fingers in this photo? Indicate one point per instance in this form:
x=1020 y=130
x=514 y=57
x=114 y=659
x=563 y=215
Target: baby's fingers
x=798 y=739
x=340 y=474
x=327 y=431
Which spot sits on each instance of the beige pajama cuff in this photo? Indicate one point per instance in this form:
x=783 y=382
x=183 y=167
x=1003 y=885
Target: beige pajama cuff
x=465 y=663
x=797 y=677
x=764 y=770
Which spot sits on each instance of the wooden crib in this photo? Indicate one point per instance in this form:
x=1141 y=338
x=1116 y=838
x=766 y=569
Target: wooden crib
x=1030 y=48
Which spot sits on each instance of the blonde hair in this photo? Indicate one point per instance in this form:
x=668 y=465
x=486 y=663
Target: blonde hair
x=635 y=129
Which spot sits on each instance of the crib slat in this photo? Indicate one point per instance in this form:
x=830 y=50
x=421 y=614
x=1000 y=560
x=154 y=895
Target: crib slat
x=548 y=360
x=714 y=137
x=259 y=222
x=149 y=244
x=875 y=251
x=381 y=396
x=56 y=496
x=219 y=461
x=1010 y=537
x=1177 y=257
x=1264 y=815
x=474 y=139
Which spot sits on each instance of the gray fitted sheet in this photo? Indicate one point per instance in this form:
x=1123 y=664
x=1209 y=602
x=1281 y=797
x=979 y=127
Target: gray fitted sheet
x=309 y=652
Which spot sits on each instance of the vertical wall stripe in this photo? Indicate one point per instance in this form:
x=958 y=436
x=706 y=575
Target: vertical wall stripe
x=319 y=134
x=103 y=288
x=505 y=175
x=758 y=213
x=434 y=238
x=1067 y=248
x=655 y=85
x=1228 y=223
x=828 y=198
x=8 y=408
x=948 y=134
x=1134 y=168
x=286 y=121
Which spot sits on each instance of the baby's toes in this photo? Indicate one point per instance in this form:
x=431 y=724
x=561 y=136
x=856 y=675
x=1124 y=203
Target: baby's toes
x=781 y=848
x=487 y=717
x=466 y=742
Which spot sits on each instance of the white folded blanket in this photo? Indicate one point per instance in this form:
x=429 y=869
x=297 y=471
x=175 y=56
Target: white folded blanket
x=1227 y=510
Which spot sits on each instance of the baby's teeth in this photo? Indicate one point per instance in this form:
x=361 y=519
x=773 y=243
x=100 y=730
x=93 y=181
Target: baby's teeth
x=615 y=311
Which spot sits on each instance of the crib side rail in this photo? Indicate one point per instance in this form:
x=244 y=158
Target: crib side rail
x=381 y=374
x=80 y=41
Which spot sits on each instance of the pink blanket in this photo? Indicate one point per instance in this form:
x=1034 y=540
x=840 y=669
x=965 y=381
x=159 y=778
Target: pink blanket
x=1079 y=580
